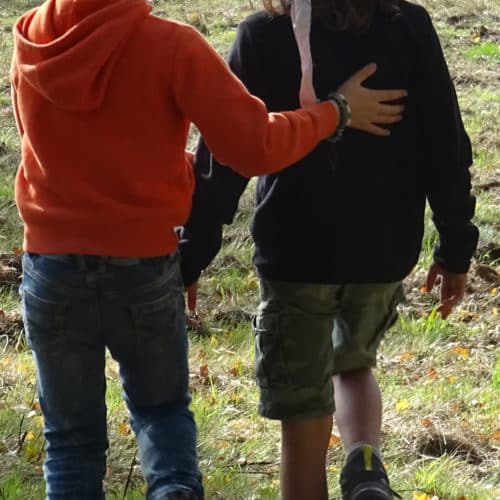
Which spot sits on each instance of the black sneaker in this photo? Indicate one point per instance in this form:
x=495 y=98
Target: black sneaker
x=364 y=477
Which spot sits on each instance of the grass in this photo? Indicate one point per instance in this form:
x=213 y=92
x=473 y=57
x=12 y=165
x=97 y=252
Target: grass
x=486 y=51
x=440 y=379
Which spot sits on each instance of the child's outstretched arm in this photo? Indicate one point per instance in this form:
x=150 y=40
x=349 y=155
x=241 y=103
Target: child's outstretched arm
x=236 y=126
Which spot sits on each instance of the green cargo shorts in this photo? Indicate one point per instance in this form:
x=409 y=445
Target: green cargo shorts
x=306 y=333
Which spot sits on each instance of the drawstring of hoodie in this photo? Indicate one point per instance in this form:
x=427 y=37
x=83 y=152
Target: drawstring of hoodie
x=301 y=16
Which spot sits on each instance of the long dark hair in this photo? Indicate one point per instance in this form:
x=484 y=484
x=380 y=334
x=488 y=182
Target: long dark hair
x=340 y=15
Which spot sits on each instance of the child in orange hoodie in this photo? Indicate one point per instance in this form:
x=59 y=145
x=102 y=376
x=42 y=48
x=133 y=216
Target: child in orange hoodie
x=104 y=94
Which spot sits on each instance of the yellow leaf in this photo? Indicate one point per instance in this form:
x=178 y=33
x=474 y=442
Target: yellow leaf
x=332 y=468
x=494 y=291
x=214 y=341
x=402 y=405
x=421 y=496
x=464 y=352
x=334 y=441
x=432 y=373
x=495 y=311
x=496 y=436
x=406 y=356
x=29 y=436
x=452 y=379
x=477 y=39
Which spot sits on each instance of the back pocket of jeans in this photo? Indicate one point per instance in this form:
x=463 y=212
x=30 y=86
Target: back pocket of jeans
x=156 y=318
x=44 y=323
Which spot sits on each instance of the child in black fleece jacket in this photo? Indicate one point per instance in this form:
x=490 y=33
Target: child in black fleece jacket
x=336 y=233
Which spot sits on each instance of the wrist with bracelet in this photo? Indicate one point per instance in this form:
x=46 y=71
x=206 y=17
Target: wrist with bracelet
x=344 y=115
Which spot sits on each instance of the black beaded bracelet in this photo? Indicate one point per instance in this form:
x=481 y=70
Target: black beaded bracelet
x=344 y=115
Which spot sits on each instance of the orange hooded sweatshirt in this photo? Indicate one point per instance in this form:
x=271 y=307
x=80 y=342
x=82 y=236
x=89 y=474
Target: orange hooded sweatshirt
x=104 y=94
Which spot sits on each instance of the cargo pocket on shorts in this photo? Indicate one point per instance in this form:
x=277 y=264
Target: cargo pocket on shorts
x=44 y=323
x=270 y=364
x=390 y=320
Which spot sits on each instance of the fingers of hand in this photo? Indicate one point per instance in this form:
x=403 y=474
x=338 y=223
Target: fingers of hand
x=192 y=297
x=386 y=119
x=389 y=95
x=364 y=72
x=431 y=279
x=447 y=306
x=375 y=130
x=390 y=109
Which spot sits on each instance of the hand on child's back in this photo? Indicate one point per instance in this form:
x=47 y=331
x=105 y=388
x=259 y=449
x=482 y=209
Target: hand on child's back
x=368 y=108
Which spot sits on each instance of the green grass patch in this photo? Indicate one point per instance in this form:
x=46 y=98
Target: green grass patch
x=488 y=51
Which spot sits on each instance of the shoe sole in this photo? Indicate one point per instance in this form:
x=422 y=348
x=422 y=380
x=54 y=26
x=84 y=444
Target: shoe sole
x=371 y=491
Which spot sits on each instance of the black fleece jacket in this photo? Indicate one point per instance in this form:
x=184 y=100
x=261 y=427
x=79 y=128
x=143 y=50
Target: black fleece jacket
x=352 y=212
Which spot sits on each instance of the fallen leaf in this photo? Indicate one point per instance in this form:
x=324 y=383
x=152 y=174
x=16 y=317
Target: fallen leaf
x=406 y=356
x=432 y=373
x=421 y=496
x=29 y=436
x=464 y=352
x=236 y=368
x=427 y=422
x=204 y=372
x=124 y=429
x=402 y=405
x=334 y=441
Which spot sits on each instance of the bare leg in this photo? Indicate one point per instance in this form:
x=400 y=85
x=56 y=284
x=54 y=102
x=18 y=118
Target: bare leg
x=304 y=444
x=358 y=408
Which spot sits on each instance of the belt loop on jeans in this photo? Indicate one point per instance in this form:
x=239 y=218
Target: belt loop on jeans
x=80 y=262
x=102 y=264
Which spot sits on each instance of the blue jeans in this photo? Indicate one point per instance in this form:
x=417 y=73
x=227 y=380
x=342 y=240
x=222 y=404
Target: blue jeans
x=75 y=306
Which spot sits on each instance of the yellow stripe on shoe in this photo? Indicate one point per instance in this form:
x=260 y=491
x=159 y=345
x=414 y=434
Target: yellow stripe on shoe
x=367 y=456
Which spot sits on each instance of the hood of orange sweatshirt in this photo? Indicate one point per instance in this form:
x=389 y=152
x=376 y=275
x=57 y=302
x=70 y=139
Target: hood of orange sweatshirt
x=67 y=49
